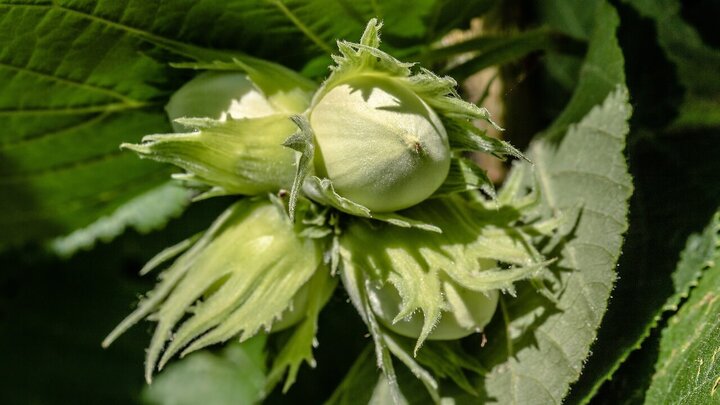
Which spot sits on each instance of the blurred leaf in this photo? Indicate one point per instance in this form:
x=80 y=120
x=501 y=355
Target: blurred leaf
x=235 y=375
x=499 y=50
x=687 y=370
x=146 y=212
x=575 y=18
x=354 y=389
x=697 y=63
x=600 y=74
x=489 y=42
x=451 y=14
x=701 y=14
x=53 y=316
x=364 y=384
x=561 y=71
x=582 y=175
x=698 y=112
x=652 y=78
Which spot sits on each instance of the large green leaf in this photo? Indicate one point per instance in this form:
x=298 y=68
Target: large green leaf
x=676 y=189
x=77 y=78
x=584 y=178
x=76 y=81
x=582 y=175
x=73 y=86
x=687 y=370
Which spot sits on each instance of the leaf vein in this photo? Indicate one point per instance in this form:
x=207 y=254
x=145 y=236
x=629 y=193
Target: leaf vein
x=87 y=109
x=301 y=26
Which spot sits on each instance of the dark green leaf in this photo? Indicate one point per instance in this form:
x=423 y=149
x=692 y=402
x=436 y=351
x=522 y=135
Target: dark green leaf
x=499 y=50
x=575 y=18
x=631 y=381
x=697 y=63
x=701 y=252
x=688 y=370
x=354 y=389
x=601 y=73
x=662 y=165
x=72 y=87
x=76 y=80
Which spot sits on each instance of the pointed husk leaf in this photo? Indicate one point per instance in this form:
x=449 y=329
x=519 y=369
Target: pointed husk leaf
x=417 y=263
x=243 y=156
x=237 y=279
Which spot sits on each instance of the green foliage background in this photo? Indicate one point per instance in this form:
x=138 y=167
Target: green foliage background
x=604 y=85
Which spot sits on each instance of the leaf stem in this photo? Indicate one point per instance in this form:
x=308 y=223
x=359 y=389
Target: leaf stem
x=506 y=320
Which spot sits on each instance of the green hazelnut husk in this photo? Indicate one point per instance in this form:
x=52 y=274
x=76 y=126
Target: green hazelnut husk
x=380 y=144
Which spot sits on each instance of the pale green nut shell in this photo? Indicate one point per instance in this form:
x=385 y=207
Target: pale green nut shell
x=218 y=95
x=379 y=143
x=468 y=311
